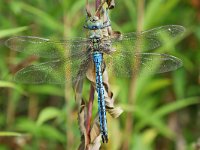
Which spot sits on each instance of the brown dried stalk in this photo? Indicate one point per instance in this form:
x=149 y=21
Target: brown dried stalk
x=131 y=98
x=91 y=138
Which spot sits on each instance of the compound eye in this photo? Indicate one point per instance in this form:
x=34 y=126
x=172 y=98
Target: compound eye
x=94 y=27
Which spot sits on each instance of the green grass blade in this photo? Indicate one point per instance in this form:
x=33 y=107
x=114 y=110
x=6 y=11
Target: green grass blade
x=176 y=105
x=5 y=133
x=6 y=84
x=42 y=17
x=47 y=114
x=9 y=32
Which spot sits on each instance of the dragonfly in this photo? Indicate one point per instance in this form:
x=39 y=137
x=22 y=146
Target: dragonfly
x=67 y=61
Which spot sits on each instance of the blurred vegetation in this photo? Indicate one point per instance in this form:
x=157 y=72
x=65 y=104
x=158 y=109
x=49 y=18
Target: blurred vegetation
x=166 y=109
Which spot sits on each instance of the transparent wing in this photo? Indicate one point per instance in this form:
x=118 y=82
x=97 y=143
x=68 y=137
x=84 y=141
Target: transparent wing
x=55 y=72
x=45 y=47
x=147 y=40
x=125 y=65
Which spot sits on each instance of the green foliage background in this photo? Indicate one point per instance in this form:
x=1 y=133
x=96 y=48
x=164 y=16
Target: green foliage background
x=165 y=113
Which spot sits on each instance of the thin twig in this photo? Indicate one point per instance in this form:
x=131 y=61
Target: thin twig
x=92 y=90
x=89 y=113
x=69 y=134
x=97 y=4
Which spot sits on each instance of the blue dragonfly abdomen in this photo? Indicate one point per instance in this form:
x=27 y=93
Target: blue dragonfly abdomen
x=98 y=60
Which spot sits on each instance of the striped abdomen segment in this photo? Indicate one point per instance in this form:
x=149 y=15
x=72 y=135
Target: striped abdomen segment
x=98 y=59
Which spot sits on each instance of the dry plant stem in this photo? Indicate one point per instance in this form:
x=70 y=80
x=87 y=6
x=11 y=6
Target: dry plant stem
x=99 y=5
x=69 y=134
x=131 y=96
x=87 y=8
x=89 y=114
x=11 y=109
x=33 y=107
x=11 y=106
x=98 y=2
x=92 y=90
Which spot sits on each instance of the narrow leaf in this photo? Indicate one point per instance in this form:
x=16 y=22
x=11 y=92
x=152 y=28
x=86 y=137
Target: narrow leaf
x=178 y=104
x=52 y=133
x=6 y=84
x=47 y=114
x=8 y=32
x=46 y=89
x=2 y=133
x=42 y=17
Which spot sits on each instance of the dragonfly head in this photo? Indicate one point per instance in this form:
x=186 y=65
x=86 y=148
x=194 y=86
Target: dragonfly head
x=93 y=23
